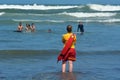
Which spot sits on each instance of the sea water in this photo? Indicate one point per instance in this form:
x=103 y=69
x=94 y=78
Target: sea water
x=33 y=55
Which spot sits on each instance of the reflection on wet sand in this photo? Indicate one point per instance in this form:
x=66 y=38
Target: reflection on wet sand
x=58 y=76
x=68 y=76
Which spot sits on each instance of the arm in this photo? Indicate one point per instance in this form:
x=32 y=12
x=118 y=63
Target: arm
x=63 y=40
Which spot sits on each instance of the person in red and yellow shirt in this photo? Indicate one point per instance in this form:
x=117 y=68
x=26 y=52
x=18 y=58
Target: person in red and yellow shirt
x=72 y=52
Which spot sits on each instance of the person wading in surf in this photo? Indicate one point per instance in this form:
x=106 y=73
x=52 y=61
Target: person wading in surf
x=20 y=27
x=80 y=27
x=72 y=52
x=32 y=27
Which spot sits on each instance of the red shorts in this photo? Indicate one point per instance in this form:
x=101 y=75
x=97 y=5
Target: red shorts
x=72 y=54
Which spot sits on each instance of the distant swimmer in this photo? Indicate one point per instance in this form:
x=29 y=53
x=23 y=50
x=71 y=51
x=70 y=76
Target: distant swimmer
x=28 y=28
x=49 y=30
x=20 y=27
x=80 y=27
x=32 y=27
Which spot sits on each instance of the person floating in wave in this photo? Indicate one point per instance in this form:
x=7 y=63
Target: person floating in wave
x=80 y=27
x=72 y=52
x=20 y=27
x=49 y=30
x=32 y=27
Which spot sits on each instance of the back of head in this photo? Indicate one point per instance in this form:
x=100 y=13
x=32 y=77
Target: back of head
x=20 y=23
x=32 y=24
x=69 y=28
x=80 y=23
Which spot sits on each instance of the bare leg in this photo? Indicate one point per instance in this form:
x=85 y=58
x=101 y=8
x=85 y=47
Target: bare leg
x=63 y=66
x=70 y=66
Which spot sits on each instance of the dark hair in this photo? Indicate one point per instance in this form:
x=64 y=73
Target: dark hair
x=69 y=28
x=32 y=24
x=20 y=23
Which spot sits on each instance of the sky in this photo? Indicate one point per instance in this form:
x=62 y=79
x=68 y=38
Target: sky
x=60 y=2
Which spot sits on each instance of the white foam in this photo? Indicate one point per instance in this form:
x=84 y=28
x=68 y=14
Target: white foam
x=98 y=7
x=96 y=14
x=1 y=13
x=34 y=7
x=102 y=20
x=27 y=20
x=110 y=20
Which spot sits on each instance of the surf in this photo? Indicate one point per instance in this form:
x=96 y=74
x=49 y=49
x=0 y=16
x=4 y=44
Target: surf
x=34 y=7
x=95 y=14
x=1 y=13
x=99 y=7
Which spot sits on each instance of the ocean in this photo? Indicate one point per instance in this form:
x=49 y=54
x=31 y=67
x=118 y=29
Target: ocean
x=33 y=55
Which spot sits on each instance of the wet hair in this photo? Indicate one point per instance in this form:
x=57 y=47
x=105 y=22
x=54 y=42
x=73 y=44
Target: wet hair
x=20 y=23
x=69 y=28
x=80 y=23
x=32 y=24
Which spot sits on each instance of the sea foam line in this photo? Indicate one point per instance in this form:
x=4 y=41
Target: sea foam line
x=82 y=14
x=27 y=20
x=102 y=20
x=34 y=7
x=97 y=7
x=1 y=13
x=110 y=20
x=75 y=14
x=62 y=21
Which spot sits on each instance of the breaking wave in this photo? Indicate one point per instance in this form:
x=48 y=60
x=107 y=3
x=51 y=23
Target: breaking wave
x=60 y=13
x=98 y=7
x=34 y=7
x=1 y=13
x=81 y=14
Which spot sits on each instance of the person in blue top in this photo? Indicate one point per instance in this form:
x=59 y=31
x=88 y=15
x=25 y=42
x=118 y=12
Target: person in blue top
x=80 y=27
